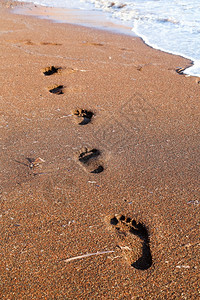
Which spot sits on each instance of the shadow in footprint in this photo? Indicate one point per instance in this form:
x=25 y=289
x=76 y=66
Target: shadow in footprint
x=180 y=71
x=86 y=115
x=51 y=70
x=86 y=155
x=127 y=228
x=145 y=261
x=57 y=89
x=99 y=169
x=89 y=158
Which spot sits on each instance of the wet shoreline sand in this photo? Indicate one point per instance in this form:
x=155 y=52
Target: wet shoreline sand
x=70 y=229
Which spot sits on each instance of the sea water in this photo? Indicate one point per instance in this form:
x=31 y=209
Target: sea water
x=169 y=25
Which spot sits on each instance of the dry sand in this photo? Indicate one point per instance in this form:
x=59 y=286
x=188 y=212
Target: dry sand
x=141 y=143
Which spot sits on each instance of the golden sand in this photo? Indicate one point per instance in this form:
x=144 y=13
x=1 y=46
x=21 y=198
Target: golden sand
x=130 y=231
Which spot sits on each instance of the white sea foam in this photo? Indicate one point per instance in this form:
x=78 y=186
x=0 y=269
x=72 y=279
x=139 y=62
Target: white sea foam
x=169 y=25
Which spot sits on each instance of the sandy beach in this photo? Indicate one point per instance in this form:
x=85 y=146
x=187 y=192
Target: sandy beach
x=99 y=165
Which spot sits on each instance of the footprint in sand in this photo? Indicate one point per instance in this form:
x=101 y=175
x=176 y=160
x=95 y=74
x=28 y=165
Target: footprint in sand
x=180 y=71
x=84 y=115
x=92 y=44
x=50 y=44
x=133 y=241
x=89 y=160
x=56 y=89
x=51 y=70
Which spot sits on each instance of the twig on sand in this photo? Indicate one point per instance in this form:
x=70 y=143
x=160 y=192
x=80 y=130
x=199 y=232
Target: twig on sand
x=87 y=255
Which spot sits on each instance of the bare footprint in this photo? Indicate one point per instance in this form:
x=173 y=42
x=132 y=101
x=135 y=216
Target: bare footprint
x=92 y=44
x=84 y=115
x=180 y=71
x=133 y=241
x=51 y=70
x=56 y=89
x=50 y=44
x=89 y=159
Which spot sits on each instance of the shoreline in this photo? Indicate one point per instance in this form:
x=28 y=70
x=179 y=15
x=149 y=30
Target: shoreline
x=104 y=148
x=93 y=20
x=77 y=17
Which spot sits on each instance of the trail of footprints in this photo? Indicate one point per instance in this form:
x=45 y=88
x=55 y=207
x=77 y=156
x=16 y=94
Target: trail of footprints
x=56 y=89
x=132 y=237
x=88 y=158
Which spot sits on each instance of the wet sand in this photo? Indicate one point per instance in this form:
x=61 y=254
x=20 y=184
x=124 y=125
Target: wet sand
x=99 y=180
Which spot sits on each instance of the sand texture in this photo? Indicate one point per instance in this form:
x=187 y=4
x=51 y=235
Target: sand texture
x=99 y=166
